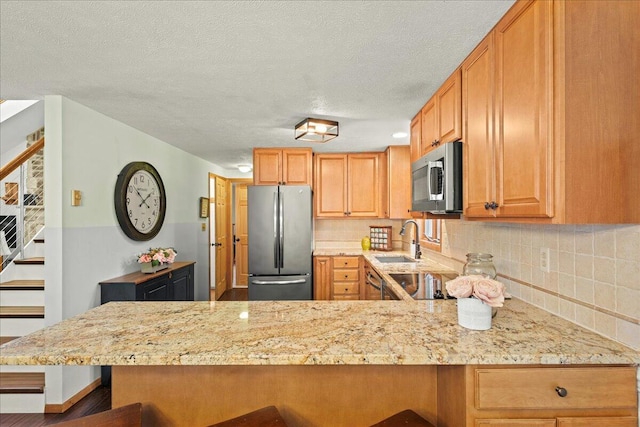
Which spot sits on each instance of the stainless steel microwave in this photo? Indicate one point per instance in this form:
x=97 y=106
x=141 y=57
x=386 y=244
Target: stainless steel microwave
x=437 y=180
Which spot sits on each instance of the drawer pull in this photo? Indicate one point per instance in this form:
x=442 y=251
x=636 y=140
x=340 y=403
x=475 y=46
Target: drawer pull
x=562 y=392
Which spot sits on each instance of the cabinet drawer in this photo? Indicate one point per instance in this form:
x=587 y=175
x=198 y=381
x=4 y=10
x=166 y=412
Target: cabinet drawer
x=346 y=297
x=598 y=422
x=345 y=262
x=535 y=388
x=516 y=423
x=346 y=288
x=345 y=275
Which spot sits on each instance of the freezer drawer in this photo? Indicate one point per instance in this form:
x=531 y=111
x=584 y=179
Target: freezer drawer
x=275 y=288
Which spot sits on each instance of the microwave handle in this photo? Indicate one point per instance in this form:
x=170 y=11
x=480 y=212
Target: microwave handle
x=432 y=168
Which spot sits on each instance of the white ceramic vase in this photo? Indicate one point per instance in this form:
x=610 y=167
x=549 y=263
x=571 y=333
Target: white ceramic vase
x=474 y=314
x=148 y=267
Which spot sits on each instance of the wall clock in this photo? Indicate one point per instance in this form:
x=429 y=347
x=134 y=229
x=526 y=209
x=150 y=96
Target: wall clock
x=140 y=201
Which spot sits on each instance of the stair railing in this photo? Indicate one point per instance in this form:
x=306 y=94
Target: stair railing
x=22 y=206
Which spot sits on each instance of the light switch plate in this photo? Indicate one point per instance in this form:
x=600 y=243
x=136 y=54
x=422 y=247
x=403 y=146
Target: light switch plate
x=76 y=197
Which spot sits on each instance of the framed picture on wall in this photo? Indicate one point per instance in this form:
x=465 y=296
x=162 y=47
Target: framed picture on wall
x=204 y=207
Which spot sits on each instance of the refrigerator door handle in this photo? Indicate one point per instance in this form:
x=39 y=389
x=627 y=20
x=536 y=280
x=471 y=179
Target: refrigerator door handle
x=276 y=249
x=281 y=230
x=278 y=282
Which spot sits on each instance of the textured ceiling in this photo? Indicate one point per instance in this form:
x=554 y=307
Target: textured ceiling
x=218 y=78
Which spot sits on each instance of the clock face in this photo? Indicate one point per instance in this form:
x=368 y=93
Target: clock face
x=143 y=201
x=140 y=201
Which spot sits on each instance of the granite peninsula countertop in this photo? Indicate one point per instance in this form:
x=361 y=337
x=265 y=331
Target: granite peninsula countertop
x=309 y=333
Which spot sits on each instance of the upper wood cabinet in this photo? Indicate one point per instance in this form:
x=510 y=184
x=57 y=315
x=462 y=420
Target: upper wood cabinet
x=395 y=182
x=282 y=166
x=441 y=116
x=347 y=185
x=523 y=93
x=477 y=115
x=507 y=144
x=549 y=112
x=429 y=127
x=416 y=137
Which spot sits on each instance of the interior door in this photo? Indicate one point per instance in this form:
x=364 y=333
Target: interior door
x=221 y=242
x=212 y=237
x=242 y=241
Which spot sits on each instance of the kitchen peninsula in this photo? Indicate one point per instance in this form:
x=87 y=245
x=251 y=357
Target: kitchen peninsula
x=338 y=363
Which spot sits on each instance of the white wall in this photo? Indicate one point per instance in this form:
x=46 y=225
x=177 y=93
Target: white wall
x=14 y=130
x=85 y=151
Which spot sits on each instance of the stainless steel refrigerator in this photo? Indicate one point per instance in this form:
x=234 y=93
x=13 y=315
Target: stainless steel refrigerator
x=280 y=242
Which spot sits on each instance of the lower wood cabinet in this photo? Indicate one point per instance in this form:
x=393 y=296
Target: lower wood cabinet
x=321 y=277
x=337 y=277
x=171 y=284
x=545 y=396
x=563 y=422
x=346 y=278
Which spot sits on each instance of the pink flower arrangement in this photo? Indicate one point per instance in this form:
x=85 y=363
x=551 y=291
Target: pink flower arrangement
x=157 y=256
x=489 y=291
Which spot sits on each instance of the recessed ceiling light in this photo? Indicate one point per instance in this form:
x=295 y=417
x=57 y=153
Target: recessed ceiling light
x=399 y=135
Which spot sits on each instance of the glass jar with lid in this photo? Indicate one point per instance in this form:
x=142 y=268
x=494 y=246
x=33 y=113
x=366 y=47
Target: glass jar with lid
x=480 y=264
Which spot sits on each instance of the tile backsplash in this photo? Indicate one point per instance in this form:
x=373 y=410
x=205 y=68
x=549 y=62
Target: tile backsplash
x=594 y=270
x=348 y=233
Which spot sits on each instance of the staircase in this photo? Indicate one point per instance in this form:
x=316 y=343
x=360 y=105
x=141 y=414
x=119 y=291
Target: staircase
x=22 y=298
x=22 y=312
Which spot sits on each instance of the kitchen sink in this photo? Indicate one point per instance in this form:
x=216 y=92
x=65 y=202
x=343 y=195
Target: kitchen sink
x=394 y=259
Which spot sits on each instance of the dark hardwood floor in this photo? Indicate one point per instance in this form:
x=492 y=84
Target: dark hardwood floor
x=235 y=294
x=97 y=401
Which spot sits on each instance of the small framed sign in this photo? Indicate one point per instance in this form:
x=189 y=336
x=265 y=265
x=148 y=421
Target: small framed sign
x=204 y=207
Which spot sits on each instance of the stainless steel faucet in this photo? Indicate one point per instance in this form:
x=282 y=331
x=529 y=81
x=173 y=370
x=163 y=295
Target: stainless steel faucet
x=415 y=235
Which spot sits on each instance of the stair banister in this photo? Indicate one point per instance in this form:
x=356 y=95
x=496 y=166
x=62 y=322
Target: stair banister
x=21 y=158
x=22 y=218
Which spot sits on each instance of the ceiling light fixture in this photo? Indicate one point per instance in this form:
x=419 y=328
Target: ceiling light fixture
x=399 y=135
x=316 y=130
x=245 y=168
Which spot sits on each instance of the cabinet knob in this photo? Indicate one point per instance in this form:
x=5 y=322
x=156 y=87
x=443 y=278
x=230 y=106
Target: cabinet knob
x=487 y=206
x=345 y=276
x=562 y=392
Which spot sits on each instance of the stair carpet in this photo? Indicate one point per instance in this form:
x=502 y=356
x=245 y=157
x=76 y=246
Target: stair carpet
x=18 y=314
